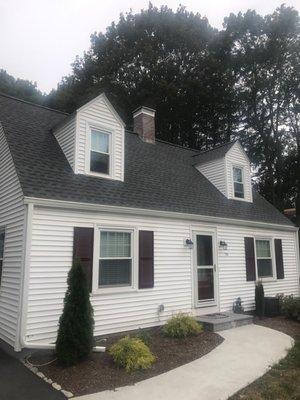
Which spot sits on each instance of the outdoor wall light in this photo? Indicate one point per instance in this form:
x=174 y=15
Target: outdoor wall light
x=189 y=243
x=223 y=245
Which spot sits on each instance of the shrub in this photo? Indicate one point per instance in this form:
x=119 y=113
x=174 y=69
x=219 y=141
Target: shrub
x=290 y=307
x=259 y=299
x=144 y=336
x=131 y=354
x=181 y=326
x=75 y=333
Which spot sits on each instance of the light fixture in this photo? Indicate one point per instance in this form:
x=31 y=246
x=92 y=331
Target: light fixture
x=189 y=243
x=223 y=245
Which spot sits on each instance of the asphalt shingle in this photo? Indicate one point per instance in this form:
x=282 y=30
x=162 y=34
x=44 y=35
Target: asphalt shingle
x=157 y=177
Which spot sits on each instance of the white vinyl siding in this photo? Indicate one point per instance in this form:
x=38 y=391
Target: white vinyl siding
x=98 y=114
x=12 y=212
x=65 y=135
x=237 y=158
x=214 y=171
x=51 y=258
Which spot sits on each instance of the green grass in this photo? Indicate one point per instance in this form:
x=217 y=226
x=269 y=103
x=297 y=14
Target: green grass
x=282 y=382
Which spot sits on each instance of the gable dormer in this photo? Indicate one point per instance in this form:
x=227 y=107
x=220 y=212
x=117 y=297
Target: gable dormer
x=92 y=140
x=228 y=168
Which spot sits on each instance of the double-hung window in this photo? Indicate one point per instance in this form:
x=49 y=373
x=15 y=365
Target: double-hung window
x=238 y=182
x=2 y=237
x=263 y=258
x=115 y=260
x=100 y=152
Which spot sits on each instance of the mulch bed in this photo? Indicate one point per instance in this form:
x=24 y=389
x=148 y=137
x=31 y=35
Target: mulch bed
x=99 y=373
x=281 y=324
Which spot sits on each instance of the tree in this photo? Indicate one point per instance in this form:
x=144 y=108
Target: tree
x=172 y=61
x=265 y=57
x=75 y=334
x=20 y=88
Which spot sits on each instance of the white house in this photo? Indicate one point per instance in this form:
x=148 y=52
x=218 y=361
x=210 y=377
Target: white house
x=159 y=228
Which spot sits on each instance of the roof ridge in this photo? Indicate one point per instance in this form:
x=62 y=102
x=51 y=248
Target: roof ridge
x=165 y=142
x=216 y=147
x=32 y=104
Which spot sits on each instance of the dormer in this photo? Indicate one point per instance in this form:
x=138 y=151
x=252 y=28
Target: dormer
x=227 y=167
x=92 y=140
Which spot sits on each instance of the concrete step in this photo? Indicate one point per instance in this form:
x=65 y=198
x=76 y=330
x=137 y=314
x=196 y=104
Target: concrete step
x=222 y=321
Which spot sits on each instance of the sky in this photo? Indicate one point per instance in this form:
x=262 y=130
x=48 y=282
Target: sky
x=39 y=39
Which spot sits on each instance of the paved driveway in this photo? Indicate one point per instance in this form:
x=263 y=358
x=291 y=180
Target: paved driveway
x=18 y=383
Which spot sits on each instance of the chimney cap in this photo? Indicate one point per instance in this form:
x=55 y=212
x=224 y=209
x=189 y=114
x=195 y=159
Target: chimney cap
x=144 y=110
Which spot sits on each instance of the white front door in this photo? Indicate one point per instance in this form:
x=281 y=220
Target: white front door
x=205 y=269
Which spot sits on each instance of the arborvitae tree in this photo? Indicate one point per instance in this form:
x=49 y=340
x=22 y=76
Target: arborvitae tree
x=259 y=299
x=76 y=325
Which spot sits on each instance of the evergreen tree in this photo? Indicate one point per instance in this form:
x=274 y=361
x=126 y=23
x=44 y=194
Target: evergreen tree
x=75 y=334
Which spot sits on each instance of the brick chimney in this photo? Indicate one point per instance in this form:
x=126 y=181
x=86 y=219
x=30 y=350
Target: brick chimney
x=144 y=123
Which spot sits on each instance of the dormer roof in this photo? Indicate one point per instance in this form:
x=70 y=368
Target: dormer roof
x=213 y=154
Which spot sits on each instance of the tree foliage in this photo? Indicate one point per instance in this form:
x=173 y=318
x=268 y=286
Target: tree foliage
x=20 y=88
x=75 y=334
x=265 y=57
x=173 y=61
x=208 y=86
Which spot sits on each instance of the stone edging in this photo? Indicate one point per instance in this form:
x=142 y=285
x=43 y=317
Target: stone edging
x=55 y=385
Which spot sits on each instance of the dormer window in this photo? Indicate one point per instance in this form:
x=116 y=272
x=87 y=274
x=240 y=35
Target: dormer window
x=238 y=182
x=100 y=152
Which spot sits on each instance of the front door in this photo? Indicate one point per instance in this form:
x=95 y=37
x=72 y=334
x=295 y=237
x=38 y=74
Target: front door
x=205 y=270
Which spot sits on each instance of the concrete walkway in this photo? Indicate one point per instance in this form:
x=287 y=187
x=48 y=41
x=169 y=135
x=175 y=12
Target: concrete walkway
x=245 y=355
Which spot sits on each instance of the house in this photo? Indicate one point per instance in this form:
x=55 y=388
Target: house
x=159 y=228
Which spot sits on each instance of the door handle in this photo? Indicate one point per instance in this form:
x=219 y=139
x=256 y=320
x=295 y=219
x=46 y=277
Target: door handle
x=215 y=267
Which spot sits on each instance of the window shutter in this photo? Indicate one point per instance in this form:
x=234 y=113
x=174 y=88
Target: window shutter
x=83 y=246
x=279 y=259
x=250 y=259
x=146 y=259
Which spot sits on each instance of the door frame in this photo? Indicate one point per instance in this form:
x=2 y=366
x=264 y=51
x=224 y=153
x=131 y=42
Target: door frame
x=208 y=231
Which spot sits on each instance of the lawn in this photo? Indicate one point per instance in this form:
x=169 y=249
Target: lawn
x=282 y=382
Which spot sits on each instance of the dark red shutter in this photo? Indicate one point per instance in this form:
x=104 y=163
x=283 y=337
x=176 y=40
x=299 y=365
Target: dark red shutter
x=83 y=248
x=146 y=259
x=279 y=259
x=250 y=259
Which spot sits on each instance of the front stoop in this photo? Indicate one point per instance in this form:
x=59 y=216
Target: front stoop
x=225 y=320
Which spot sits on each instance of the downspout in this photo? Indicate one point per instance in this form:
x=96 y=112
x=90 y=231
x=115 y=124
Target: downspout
x=24 y=292
x=24 y=277
x=298 y=257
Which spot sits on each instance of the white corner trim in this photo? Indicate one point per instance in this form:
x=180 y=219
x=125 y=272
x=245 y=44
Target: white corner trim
x=21 y=332
x=152 y=213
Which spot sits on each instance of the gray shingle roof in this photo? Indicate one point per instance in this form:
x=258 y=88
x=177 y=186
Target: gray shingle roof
x=157 y=177
x=214 y=154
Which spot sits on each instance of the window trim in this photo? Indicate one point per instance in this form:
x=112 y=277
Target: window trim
x=272 y=257
x=96 y=289
x=243 y=181
x=88 y=149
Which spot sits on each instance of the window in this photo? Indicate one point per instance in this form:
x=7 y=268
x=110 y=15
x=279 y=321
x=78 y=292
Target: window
x=263 y=258
x=2 y=236
x=100 y=152
x=115 y=262
x=238 y=182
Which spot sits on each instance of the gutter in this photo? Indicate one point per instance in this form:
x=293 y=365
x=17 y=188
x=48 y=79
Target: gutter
x=153 y=213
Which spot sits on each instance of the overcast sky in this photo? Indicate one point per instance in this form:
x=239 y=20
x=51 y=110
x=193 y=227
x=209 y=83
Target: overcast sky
x=39 y=39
